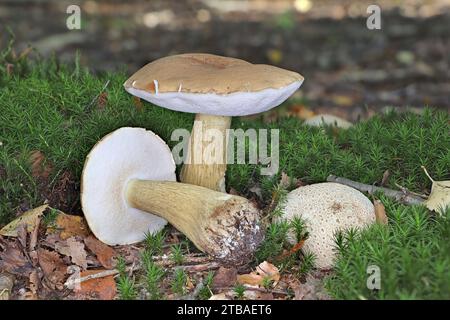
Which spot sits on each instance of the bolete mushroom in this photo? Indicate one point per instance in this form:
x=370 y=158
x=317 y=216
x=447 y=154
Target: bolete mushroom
x=215 y=88
x=327 y=208
x=128 y=189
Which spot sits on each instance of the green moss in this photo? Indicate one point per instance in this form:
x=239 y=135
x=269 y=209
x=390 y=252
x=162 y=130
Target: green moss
x=412 y=254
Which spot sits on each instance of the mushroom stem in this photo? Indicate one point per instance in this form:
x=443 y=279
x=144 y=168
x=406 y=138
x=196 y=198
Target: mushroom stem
x=222 y=225
x=207 y=153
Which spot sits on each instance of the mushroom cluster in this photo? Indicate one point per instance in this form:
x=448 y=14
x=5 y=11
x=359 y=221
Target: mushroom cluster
x=327 y=208
x=129 y=184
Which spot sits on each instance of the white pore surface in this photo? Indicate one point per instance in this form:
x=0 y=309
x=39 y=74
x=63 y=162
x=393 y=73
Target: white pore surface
x=327 y=208
x=233 y=104
x=125 y=154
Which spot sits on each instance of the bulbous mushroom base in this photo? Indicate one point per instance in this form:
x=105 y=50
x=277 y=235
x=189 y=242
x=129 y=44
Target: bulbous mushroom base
x=234 y=232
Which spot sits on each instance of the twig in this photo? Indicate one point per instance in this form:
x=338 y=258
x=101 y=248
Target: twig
x=98 y=95
x=165 y=260
x=71 y=282
x=401 y=196
x=199 y=267
x=274 y=291
x=406 y=190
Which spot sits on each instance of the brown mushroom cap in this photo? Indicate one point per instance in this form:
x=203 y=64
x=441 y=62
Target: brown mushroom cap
x=208 y=73
x=209 y=84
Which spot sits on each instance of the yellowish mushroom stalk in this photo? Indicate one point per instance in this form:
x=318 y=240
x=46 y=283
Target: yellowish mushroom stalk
x=222 y=225
x=207 y=154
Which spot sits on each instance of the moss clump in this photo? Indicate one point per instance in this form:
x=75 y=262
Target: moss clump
x=412 y=254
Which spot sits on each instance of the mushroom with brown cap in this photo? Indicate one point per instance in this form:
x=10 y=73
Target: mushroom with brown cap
x=327 y=208
x=129 y=189
x=215 y=88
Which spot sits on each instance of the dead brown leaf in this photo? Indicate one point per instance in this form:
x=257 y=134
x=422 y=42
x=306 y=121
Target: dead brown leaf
x=53 y=267
x=34 y=235
x=69 y=226
x=312 y=289
x=224 y=277
x=258 y=295
x=263 y=271
x=380 y=212
x=29 y=218
x=74 y=249
x=14 y=261
x=102 y=100
x=40 y=168
x=440 y=194
x=104 y=253
x=99 y=288
x=300 y=111
x=222 y=296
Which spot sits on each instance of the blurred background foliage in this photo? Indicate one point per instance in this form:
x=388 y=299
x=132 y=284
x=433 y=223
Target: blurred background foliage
x=350 y=71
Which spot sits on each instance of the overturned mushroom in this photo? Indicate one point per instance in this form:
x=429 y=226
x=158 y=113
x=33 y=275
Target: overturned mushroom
x=128 y=189
x=215 y=88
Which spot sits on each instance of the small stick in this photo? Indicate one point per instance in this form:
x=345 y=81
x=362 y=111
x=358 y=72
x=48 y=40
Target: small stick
x=403 y=197
x=274 y=291
x=71 y=282
x=188 y=260
x=406 y=190
x=199 y=267
x=98 y=95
